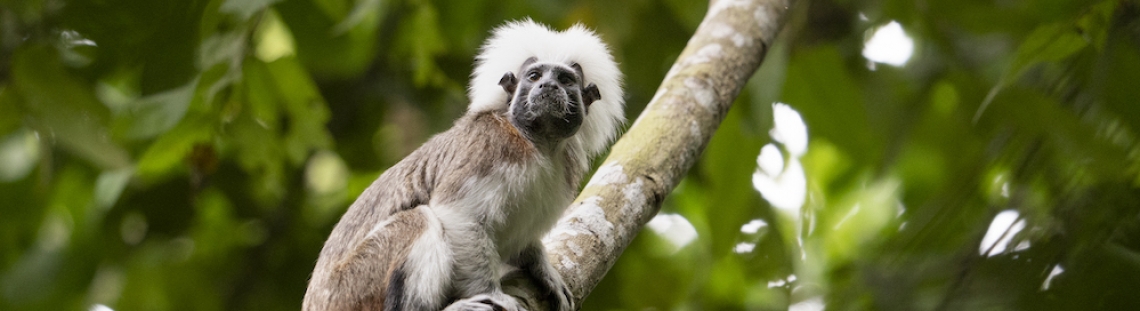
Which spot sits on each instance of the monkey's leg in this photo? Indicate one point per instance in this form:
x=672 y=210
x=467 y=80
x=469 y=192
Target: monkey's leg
x=532 y=260
x=476 y=267
x=422 y=280
x=355 y=284
x=370 y=276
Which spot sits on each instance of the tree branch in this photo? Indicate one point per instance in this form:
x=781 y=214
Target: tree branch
x=663 y=143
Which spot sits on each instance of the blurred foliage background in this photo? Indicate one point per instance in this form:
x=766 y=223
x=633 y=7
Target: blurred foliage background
x=193 y=155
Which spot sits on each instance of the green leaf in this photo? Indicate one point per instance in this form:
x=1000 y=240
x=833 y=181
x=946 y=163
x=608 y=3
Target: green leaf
x=365 y=10
x=420 y=41
x=222 y=48
x=1096 y=24
x=261 y=95
x=244 y=9
x=332 y=9
x=725 y=172
x=1042 y=116
x=1047 y=43
x=66 y=107
x=259 y=152
x=850 y=225
x=329 y=55
x=166 y=153
x=689 y=12
x=19 y=154
x=832 y=104
x=150 y=116
x=1117 y=72
x=305 y=108
x=109 y=186
x=215 y=230
x=273 y=38
x=9 y=110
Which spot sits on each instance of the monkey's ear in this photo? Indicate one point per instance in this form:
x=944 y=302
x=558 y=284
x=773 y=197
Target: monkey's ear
x=509 y=82
x=590 y=94
x=578 y=68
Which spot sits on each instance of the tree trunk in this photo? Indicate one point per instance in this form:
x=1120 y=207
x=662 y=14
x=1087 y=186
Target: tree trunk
x=663 y=143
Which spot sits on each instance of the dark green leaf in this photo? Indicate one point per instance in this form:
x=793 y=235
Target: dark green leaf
x=65 y=107
x=1047 y=43
x=171 y=148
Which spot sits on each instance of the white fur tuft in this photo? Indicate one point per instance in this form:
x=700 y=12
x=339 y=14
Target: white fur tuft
x=511 y=44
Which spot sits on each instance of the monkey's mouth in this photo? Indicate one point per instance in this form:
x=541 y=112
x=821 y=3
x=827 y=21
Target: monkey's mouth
x=548 y=114
x=552 y=102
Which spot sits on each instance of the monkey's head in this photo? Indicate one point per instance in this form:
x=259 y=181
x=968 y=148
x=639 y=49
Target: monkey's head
x=550 y=101
x=560 y=85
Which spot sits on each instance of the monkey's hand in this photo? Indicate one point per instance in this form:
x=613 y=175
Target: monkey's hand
x=558 y=294
x=533 y=262
x=485 y=302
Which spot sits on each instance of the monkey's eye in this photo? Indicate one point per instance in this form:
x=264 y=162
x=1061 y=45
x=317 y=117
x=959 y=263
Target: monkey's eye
x=533 y=76
x=566 y=79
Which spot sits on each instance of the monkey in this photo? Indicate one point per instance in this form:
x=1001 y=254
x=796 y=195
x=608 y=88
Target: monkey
x=440 y=228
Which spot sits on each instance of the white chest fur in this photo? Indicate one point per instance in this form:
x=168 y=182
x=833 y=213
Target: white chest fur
x=517 y=204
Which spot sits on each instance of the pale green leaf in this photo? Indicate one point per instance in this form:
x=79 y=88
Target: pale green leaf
x=244 y=9
x=152 y=115
x=363 y=11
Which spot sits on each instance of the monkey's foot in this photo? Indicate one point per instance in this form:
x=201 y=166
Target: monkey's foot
x=485 y=302
x=559 y=297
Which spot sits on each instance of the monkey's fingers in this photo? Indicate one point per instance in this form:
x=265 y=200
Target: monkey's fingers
x=485 y=302
x=566 y=300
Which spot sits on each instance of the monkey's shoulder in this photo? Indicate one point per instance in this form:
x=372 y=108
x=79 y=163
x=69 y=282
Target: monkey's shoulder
x=473 y=146
x=493 y=138
x=477 y=144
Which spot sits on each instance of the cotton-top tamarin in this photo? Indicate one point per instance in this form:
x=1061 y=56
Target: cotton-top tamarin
x=435 y=230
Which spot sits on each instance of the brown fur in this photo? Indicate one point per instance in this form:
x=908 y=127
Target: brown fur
x=354 y=269
x=371 y=263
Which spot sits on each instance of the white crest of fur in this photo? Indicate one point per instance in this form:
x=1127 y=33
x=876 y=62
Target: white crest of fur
x=513 y=43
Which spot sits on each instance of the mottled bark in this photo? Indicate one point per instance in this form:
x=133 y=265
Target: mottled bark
x=663 y=143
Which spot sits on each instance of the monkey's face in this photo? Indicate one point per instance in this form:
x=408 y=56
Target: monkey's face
x=549 y=100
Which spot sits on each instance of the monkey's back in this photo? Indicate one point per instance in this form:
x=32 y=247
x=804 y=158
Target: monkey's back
x=373 y=237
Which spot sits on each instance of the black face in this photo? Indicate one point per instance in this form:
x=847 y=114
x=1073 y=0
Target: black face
x=550 y=100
